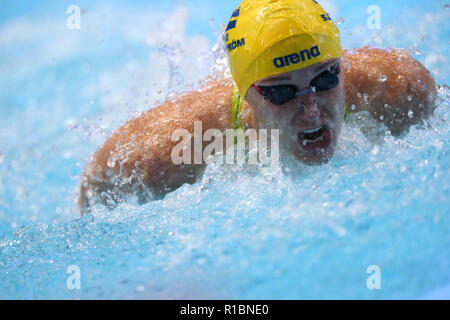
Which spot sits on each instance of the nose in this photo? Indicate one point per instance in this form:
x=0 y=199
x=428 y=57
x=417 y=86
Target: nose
x=308 y=109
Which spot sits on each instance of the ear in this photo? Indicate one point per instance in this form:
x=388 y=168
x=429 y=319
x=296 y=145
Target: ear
x=247 y=94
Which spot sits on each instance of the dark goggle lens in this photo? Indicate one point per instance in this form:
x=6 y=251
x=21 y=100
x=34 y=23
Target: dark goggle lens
x=279 y=95
x=325 y=81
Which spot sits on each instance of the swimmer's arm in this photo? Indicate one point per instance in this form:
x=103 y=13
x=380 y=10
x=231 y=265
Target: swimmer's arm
x=138 y=155
x=390 y=84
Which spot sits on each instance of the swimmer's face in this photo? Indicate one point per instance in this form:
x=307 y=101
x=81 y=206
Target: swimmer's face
x=309 y=124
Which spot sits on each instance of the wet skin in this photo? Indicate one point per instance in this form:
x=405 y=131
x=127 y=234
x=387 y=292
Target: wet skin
x=142 y=147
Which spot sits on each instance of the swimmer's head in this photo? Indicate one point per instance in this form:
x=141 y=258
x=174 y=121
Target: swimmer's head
x=269 y=37
x=278 y=51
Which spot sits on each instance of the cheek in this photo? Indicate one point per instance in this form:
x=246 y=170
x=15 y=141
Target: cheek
x=282 y=117
x=278 y=113
x=335 y=103
x=341 y=94
x=270 y=116
x=341 y=101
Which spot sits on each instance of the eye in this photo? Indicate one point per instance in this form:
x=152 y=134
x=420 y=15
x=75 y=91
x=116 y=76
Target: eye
x=279 y=94
x=327 y=79
x=283 y=90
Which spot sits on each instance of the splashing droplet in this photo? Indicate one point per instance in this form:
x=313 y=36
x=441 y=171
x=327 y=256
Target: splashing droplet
x=375 y=150
x=108 y=199
x=382 y=78
x=111 y=162
x=366 y=97
x=171 y=95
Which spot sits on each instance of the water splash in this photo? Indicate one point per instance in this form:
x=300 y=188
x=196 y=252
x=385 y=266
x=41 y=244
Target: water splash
x=300 y=232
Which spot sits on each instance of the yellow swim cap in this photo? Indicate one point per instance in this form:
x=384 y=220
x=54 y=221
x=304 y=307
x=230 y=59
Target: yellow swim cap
x=269 y=37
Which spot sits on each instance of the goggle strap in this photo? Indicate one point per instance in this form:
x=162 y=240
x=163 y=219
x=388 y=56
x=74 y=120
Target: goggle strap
x=260 y=91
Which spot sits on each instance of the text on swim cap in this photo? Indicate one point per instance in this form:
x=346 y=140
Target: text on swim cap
x=232 y=23
x=235 y=44
x=294 y=58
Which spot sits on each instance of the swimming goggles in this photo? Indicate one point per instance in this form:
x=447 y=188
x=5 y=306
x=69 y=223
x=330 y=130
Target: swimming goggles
x=281 y=94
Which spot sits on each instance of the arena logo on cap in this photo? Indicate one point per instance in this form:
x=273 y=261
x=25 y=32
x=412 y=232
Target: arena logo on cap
x=307 y=54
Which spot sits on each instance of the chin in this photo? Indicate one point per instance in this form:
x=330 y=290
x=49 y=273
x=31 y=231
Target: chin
x=313 y=160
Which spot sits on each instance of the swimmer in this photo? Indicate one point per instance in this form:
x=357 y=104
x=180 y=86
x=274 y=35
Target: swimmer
x=289 y=73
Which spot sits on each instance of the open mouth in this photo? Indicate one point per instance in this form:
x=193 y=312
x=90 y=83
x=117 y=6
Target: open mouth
x=315 y=139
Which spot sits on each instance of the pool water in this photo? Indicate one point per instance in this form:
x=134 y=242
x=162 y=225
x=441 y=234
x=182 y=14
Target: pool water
x=239 y=233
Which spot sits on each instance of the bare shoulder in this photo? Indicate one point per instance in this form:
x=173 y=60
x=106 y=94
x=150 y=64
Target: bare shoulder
x=141 y=149
x=210 y=104
x=389 y=83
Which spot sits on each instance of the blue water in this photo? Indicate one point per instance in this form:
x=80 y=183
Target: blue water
x=239 y=232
